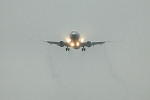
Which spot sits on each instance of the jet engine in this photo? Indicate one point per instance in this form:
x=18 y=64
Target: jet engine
x=88 y=44
x=61 y=44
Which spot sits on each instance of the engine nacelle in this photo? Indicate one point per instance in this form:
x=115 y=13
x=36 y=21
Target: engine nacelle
x=88 y=44
x=61 y=44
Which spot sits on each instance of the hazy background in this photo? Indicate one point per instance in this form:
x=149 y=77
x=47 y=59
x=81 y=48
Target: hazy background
x=32 y=70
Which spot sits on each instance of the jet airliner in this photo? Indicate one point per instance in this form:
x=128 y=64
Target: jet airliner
x=75 y=42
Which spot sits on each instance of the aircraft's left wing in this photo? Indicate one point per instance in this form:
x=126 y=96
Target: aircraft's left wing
x=89 y=43
x=96 y=43
x=102 y=42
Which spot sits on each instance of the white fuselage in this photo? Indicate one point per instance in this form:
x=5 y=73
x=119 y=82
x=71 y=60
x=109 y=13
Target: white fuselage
x=74 y=36
x=75 y=40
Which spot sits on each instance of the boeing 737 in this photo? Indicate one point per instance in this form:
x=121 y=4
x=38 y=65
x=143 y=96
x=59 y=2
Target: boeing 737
x=75 y=42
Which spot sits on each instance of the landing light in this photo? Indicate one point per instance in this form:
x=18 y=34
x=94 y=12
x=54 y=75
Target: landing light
x=82 y=40
x=68 y=40
x=77 y=44
x=72 y=44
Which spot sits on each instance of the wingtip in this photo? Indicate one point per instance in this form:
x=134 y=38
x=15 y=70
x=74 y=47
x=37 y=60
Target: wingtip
x=38 y=40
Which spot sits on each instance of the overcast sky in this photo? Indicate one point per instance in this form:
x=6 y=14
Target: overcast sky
x=32 y=70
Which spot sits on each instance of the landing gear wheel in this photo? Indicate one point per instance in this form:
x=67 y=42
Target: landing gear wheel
x=83 y=49
x=67 y=49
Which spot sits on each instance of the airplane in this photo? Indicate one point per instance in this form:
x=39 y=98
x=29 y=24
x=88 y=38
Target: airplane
x=76 y=42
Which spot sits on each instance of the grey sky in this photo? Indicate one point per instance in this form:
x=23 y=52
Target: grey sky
x=31 y=70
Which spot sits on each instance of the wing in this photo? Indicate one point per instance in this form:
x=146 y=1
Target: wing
x=96 y=43
x=52 y=42
x=61 y=43
x=89 y=43
x=100 y=43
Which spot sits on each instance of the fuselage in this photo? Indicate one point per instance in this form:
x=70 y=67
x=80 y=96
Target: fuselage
x=75 y=40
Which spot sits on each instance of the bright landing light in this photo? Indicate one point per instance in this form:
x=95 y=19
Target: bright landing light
x=68 y=40
x=82 y=40
x=72 y=44
x=77 y=44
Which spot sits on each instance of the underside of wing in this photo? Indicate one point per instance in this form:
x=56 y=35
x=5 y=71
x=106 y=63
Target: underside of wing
x=102 y=42
x=96 y=43
x=89 y=43
x=61 y=43
x=52 y=42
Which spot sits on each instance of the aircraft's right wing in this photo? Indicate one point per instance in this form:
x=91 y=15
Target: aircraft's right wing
x=52 y=42
x=61 y=43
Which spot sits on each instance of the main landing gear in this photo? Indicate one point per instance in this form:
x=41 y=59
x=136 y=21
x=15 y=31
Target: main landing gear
x=83 y=49
x=67 y=49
